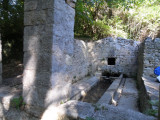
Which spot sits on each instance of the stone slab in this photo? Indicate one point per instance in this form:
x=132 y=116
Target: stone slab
x=129 y=102
x=77 y=109
x=108 y=112
x=82 y=110
x=81 y=87
x=152 y=87
x=108 y=95
x=15 y=114
x=118 y=93
x=106 y=98
x=130 y=87
x=129 y=96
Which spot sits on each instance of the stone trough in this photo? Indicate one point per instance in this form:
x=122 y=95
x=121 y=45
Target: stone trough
x=96 y=89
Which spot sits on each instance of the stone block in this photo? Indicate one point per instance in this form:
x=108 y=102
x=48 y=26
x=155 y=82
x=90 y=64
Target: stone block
x=58 y=30
x=35 y=95
x=38 y=38
x=82 y=86
x=38 y=17
x=76 y=110
x=38 y=61
x=38 y=43
x=107 y=97
x=34 y=78
x=38 y=30
x=130 y=87
x=42 y=97
x=65 y=44
x=30 y=5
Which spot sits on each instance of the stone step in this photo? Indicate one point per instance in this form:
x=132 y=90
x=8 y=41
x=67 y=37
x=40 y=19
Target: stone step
x=129 y=95
x=81 y=88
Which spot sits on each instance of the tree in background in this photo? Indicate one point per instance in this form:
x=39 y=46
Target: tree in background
x=133 y=19
x=11 y=29
x=95 y=19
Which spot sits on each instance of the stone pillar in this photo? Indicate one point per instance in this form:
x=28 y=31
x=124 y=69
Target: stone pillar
x=48 y=50
x=0 y=60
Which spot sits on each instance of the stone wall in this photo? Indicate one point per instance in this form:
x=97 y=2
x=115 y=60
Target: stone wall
x=48 y=49
x=53 y=60
x=151 y=56
x=148 y=60
x=0 y=60
x=92 y=56
x=124 y=51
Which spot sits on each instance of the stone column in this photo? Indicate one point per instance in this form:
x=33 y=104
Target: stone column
x=48 y=50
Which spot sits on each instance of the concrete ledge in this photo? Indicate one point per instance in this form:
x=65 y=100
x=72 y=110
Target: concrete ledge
x=109 y=94
x=130 y=87
x=152 y=87
x=129 y=96
x=129 y=102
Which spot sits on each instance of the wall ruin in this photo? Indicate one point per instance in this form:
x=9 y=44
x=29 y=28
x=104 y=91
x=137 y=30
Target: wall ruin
x=47 y=52
x=93 y=56
x=0 y=60
x=151 y=57
x=53 y=60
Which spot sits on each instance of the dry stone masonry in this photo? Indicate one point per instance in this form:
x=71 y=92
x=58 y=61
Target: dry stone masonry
x=92 y=56
x=54 y=61
x=151 y=56
x=48 y=48
x=148 y=60
x=0 y=60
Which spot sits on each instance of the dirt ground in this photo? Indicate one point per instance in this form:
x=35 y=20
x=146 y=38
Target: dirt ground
x=12 y=73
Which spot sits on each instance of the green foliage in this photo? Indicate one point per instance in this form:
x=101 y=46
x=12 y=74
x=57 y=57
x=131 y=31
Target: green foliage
x=17 y=102
x=96 y=107
x=11 y=29
x=89 y=118
x=151 y=112
x=132 y=19
x=62 y=102
x=154 y=103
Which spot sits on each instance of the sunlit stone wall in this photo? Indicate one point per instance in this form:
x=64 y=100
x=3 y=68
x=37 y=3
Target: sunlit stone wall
x=124 y=51
x=94 y=56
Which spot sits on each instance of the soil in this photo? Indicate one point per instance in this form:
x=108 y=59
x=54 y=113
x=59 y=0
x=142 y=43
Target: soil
x=12 y=73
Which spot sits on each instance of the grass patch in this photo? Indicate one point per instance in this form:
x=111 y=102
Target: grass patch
x=152 y=112
x=17 y=102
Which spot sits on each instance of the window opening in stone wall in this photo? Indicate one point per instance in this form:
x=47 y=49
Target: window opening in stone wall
x=111 y=61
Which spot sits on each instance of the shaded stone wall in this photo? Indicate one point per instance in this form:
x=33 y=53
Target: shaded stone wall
x=48 y=49
x=0 y=60
x=148 y=60
x=151 y=56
